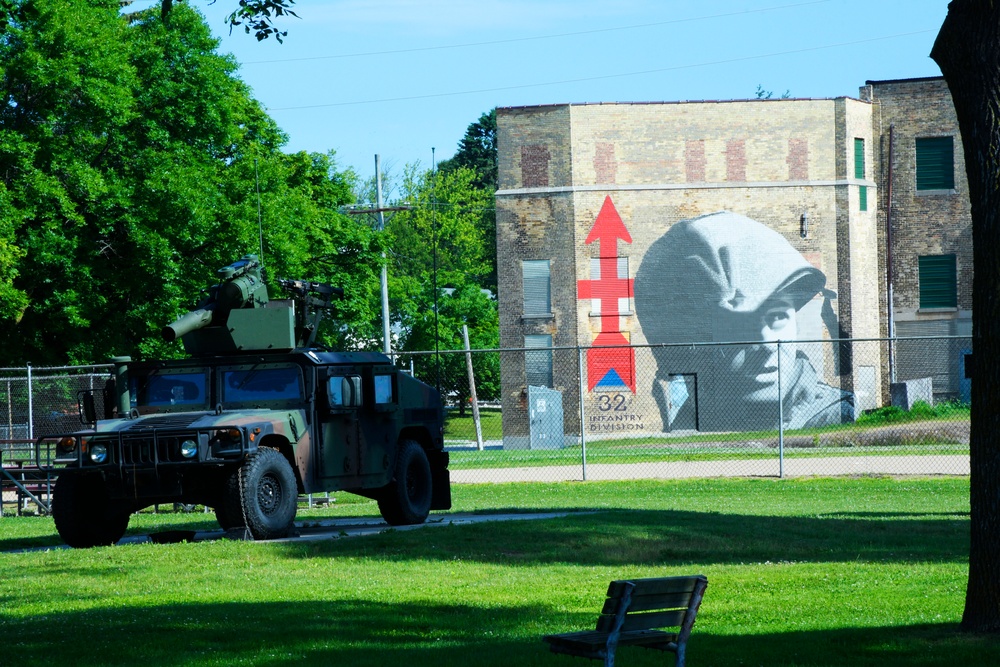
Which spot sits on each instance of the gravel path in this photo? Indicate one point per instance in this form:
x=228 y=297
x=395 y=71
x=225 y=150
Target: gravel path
x=943 y=464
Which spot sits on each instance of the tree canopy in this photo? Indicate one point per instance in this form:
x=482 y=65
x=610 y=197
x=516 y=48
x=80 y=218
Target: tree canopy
x=128 y=158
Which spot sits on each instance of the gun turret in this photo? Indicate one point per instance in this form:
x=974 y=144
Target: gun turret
x=233 y=317
x=240 y=286
x=237 y=316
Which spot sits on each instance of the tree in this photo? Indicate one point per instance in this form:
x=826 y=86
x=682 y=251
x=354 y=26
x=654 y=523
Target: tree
x=967 y=49
x=438 y=259
x=466 y=305
x=439 y=242
x=477 y=151
x=255 y=16
x=128 y=158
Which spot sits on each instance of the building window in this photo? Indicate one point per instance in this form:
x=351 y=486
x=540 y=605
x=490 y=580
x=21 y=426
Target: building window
x=938 y=281
x=537 y=287
x=859 y=158
x=935 y=163
x=859 y=172
x=538 y=365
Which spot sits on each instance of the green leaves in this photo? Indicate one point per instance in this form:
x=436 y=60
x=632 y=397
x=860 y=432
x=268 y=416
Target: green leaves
x=127 y=178
x=257 y=15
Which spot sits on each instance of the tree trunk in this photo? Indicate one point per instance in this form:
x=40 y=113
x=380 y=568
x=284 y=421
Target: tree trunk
x=968 y=51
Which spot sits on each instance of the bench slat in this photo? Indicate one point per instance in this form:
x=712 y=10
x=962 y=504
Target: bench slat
x=647 y=621
x=656 y=585
x=648 y=602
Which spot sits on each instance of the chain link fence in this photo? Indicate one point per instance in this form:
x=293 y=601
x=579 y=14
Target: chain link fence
x=847 y=407
x=35 y=401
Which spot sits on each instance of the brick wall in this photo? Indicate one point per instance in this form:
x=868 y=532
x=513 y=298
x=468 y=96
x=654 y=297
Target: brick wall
x=774 y=161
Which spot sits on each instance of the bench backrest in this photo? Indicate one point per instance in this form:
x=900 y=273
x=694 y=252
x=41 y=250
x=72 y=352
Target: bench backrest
x=652 y=603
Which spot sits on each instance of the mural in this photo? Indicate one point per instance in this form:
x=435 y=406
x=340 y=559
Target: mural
x=609 y=290
x=726 y=278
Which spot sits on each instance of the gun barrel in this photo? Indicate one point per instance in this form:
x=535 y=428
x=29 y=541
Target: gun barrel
x=196 y=319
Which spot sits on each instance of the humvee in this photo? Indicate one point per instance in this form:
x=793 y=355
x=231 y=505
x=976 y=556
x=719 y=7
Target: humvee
x=255 y=416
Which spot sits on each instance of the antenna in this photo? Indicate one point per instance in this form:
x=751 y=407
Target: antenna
x=260 y=225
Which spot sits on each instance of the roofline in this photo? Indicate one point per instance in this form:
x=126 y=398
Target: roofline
x=874 y=82
x=737 y=101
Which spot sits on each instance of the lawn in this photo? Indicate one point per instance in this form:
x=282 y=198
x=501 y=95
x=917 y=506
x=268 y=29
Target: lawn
x=867 y=571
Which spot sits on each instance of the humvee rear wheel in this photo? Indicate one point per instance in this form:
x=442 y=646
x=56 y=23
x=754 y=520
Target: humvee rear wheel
x=407 y=499
x=84 y=515
x=264 y=494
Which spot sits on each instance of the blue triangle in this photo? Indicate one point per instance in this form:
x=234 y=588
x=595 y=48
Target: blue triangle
x=611 y=379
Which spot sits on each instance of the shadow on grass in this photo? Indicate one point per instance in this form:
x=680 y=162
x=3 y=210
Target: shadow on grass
x=643 y=537
x=651 y=537
x=364 y=633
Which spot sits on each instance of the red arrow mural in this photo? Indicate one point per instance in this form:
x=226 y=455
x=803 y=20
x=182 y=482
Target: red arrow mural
x=610 y=368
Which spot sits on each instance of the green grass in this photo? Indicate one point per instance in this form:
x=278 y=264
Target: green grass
x=867 y=571
x=463 y=428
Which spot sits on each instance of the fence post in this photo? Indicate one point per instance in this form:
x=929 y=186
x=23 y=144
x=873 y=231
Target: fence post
x=781 y=421
x=31 y=411
x=472 y=388
x=583 y=423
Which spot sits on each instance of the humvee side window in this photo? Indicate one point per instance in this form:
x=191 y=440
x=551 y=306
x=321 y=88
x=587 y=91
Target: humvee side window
x=344 y=391
x=383 y=389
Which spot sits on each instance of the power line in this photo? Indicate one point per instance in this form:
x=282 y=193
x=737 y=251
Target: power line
x=604 y=76
x=537 y=37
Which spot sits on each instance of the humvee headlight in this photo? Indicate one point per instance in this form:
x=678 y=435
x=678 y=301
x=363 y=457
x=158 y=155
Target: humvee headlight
x=98 y=453
x=67 y=445
x=189 y=449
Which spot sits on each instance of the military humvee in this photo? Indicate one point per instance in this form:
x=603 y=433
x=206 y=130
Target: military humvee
x=254 y=418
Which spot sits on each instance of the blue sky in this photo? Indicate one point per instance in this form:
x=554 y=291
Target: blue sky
x=398 y=77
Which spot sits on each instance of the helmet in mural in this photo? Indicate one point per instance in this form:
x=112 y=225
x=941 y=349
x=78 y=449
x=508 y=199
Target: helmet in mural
x=705 y=268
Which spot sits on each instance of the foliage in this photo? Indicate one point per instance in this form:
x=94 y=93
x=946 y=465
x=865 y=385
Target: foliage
x=762 y=94
x=257 y=15
x=127 y=168
x=477 y=151
x=439 y=245
x=465 y=305
x=891 y=414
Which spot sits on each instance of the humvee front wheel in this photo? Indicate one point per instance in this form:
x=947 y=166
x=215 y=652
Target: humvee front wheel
x=407 y=499
x=84 y=515
x=264 y=494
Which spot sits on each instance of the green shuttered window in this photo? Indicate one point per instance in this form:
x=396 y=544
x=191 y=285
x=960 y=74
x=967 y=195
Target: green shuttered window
x=537 y=287
x=938 y=281
x=935 y=163
x=538 y=365
x=859 y=172
x=859 y=158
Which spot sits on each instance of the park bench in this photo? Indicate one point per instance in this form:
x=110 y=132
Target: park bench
x=634 y=614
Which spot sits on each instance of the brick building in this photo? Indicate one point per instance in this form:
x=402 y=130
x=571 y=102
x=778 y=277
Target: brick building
x=785 y=205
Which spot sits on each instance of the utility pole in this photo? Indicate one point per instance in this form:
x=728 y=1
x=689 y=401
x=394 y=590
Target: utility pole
x=380 y=226
x=386 y=341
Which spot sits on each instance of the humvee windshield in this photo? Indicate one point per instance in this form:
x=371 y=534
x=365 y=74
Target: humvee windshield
x=188 y=389
x=254 y=385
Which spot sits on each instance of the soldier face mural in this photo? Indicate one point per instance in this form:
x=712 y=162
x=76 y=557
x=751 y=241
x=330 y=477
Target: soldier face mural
x=724 y=278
